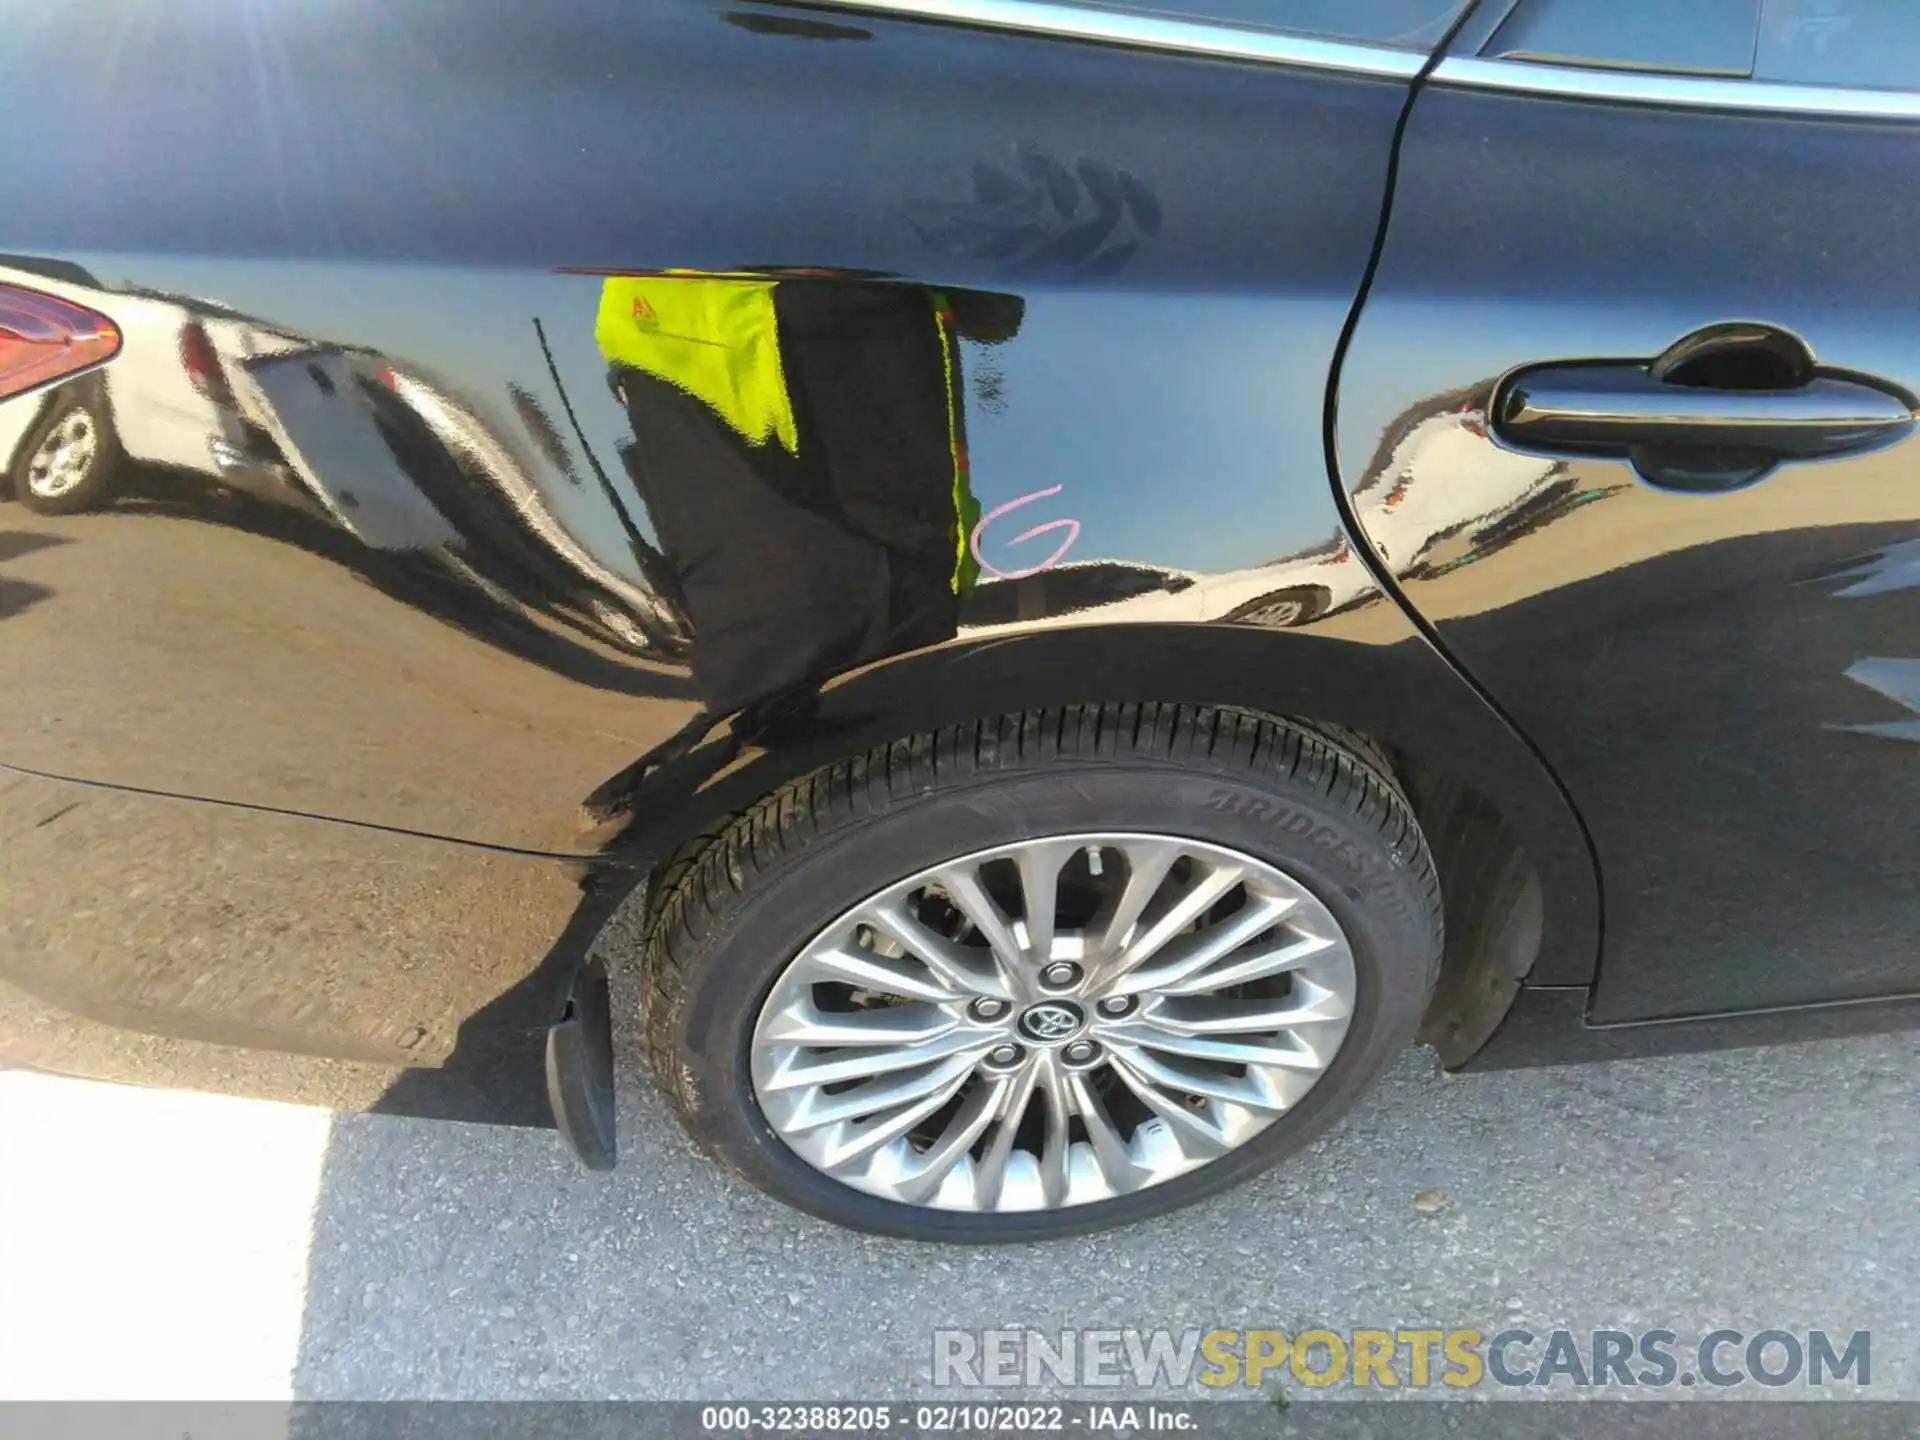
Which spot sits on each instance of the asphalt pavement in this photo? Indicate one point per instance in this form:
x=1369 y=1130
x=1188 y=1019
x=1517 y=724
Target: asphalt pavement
x=162 y=1243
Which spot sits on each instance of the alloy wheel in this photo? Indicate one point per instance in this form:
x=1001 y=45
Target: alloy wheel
x=1053 y=1023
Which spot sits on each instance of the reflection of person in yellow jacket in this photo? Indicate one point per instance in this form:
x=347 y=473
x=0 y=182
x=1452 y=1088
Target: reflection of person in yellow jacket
x=800 y=445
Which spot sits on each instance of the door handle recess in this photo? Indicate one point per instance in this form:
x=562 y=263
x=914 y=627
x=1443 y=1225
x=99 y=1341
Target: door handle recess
x=1692 y=436
x=1612 y=407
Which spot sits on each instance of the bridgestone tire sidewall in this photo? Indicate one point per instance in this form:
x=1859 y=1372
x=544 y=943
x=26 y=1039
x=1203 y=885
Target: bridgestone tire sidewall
x=1346 y=863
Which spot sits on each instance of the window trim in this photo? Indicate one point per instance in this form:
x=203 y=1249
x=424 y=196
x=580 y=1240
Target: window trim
x=1140 y=30
x=1699 y=92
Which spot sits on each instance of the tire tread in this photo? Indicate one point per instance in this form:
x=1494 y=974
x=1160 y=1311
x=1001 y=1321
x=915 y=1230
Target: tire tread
x=705 y=881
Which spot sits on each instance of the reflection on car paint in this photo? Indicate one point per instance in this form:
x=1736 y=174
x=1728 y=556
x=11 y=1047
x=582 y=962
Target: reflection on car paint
x=1899 y=681
x=1438 y=495
x=439 y=498
x=800 y=436
x=1894 y=567
x=1087 y=218
x=1890 y=569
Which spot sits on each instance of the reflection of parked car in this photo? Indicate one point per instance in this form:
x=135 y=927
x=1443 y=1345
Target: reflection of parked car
x=1443 y=488
x=404 y=466
x=166 y=400
x=311 y=403
x=1281 y=594
x=506 y=508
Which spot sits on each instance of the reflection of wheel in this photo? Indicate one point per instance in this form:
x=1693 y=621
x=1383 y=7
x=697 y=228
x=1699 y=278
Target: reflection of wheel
x=1283 y=608
x=70 y=458
x=1042 y=976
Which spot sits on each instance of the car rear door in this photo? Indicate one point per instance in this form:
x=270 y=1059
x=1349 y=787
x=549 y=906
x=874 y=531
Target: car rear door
x=1695 y=584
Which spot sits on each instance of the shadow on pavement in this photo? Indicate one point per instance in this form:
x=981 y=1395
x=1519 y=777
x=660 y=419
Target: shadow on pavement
x=1747 y=1189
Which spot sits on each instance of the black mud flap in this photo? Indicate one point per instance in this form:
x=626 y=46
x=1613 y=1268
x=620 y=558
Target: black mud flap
x=580 y=1070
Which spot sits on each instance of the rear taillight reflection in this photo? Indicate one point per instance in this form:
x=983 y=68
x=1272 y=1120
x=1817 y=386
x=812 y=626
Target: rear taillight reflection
x=43 y=338
x=202 y=363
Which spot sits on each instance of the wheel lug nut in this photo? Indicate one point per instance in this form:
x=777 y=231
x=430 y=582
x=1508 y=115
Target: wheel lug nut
x=1115 y=1005
x=1002 y=1056
x=988 y=1009
x=1060 y=975
x=1080 y=1052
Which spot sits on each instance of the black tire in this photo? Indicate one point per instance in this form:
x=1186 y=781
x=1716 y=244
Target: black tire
x=727 y=921
x=96 y=484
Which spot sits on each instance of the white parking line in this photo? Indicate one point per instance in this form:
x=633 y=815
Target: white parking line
x=153 y=1244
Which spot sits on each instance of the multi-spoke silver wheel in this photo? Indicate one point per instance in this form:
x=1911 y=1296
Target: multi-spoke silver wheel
x=65 y=456
x=1053 y=1023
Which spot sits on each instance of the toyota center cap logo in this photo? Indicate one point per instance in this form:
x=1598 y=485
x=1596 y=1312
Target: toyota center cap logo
x=1050 y=1022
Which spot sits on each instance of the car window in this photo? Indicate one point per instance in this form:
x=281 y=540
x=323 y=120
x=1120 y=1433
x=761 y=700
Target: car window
x=1410 y=24
x=1686 y=37
x=1840 y=42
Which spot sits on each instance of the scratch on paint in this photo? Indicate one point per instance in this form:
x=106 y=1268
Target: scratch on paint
x=1071 y=526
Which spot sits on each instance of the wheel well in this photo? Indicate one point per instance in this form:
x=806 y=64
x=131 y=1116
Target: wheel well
x=1491 y=892
x=1495 y=814
x=1490 y=895
x=1493 y=901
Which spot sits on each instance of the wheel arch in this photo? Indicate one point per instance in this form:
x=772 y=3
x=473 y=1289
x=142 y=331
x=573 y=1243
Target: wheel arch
x=1518 y=877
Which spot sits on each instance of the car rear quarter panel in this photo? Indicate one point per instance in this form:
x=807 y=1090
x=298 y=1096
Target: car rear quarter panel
x=428 y=196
